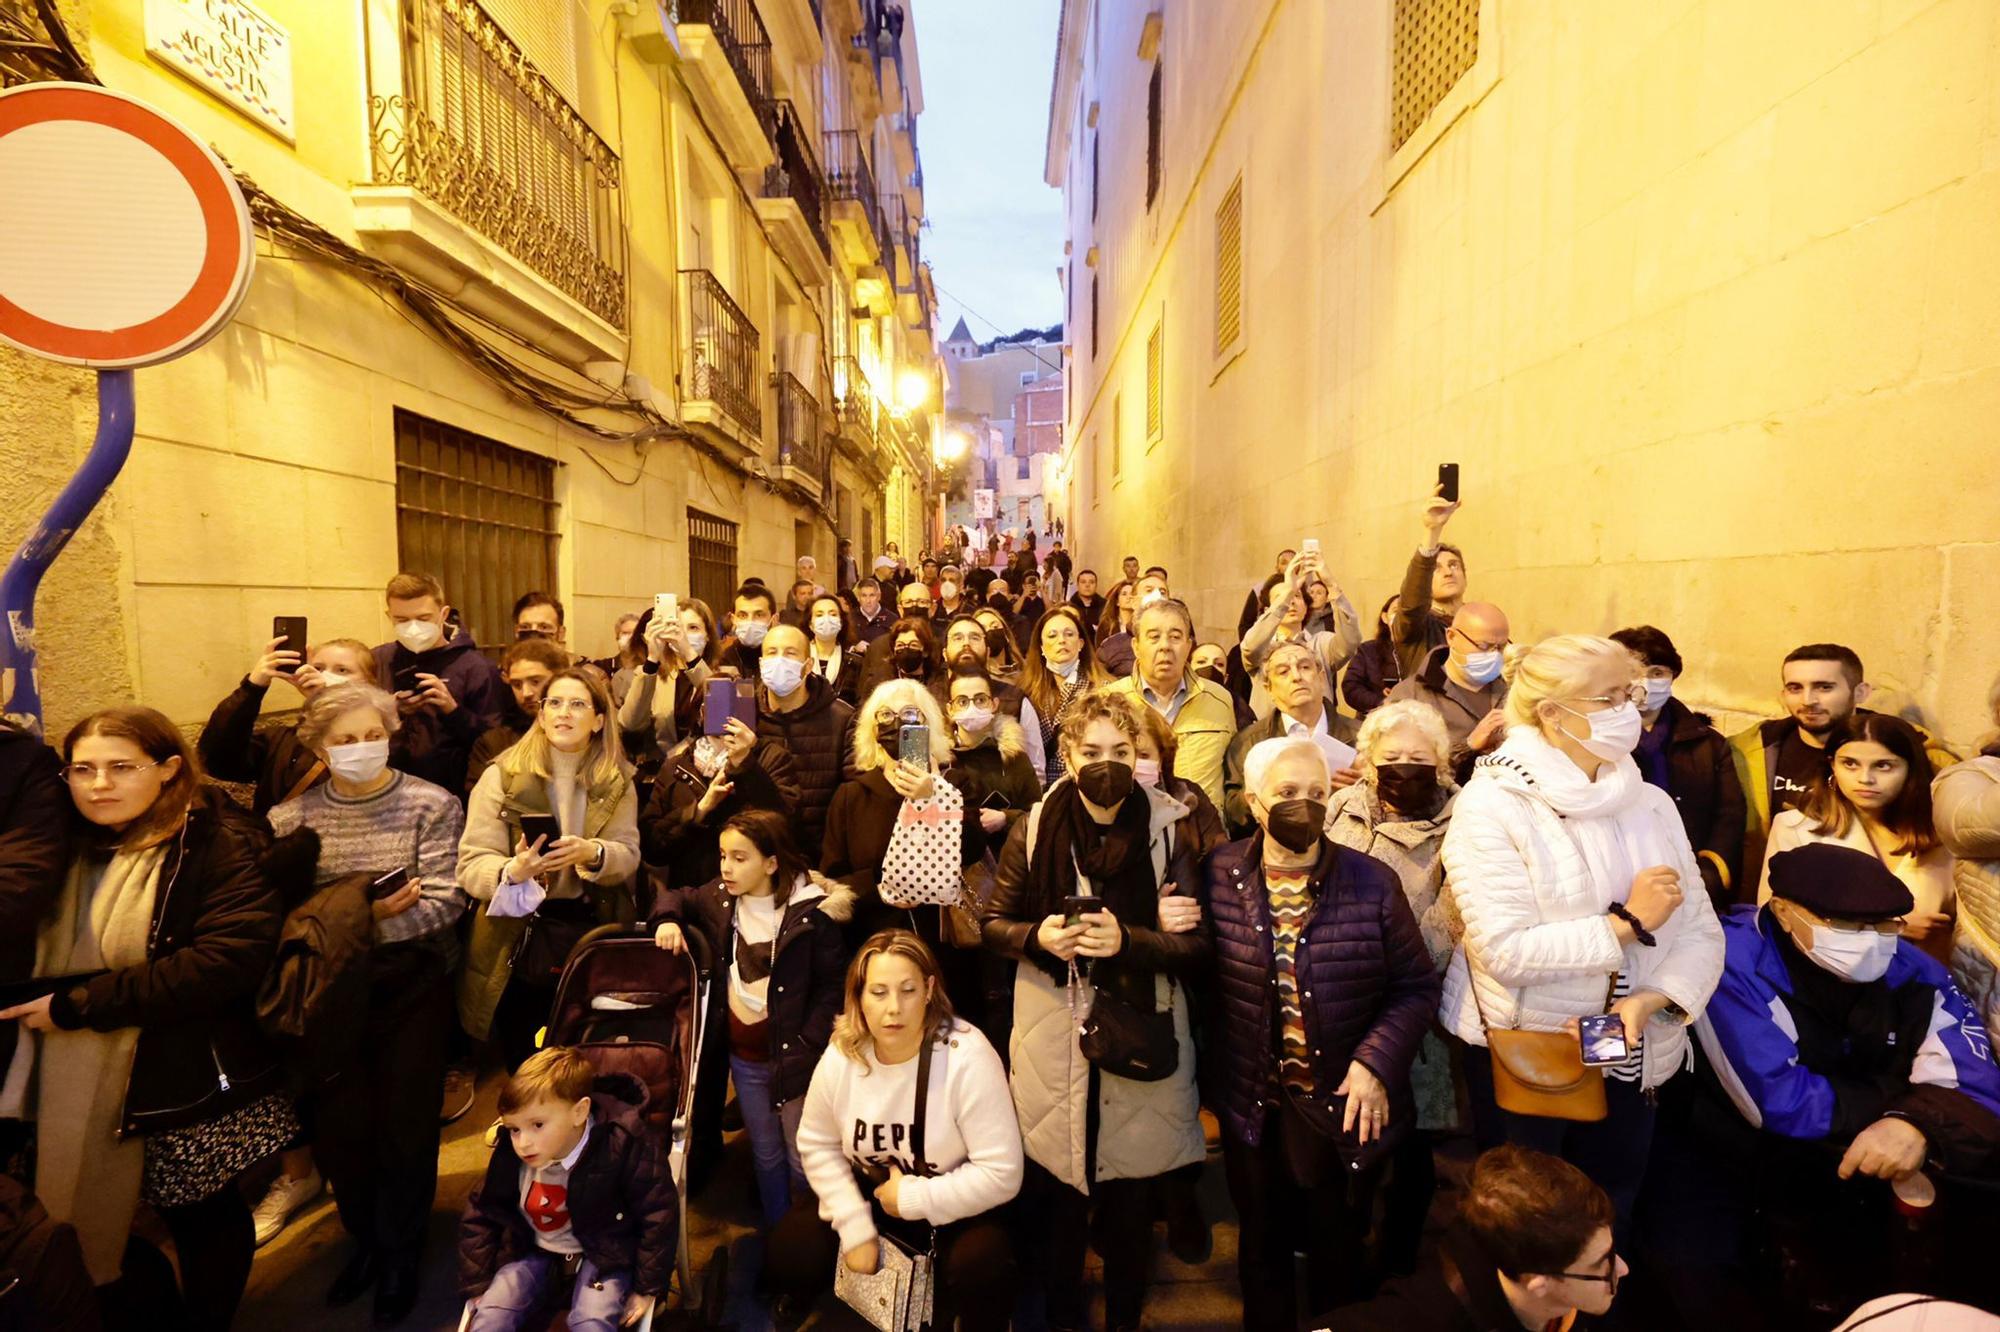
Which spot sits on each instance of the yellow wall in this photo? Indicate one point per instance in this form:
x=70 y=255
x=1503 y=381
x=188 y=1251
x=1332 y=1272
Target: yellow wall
x=1701 y=295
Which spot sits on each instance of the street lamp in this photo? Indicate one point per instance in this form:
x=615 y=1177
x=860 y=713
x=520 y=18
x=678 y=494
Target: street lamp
x=913 y=390
x=953 y=445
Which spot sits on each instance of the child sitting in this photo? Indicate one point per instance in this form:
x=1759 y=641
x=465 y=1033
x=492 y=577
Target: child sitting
x=577 y=1187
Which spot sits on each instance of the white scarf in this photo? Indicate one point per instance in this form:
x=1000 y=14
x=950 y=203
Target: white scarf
x=1604 y=818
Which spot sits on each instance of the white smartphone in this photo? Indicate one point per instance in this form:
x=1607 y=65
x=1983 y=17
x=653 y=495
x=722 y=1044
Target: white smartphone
x=666 y=606
x=1310 y=546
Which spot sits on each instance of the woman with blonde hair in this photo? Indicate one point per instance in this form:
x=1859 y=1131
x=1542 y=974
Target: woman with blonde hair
x=567 y=776
x=908 y=1132
x=1580 y=896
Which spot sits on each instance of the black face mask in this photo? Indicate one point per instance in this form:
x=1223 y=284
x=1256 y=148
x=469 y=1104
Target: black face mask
x=890 y=734
x=1105 y=784
x=1214 y=675
x=910 y=661
x=1296 y=824
x=1409 y=787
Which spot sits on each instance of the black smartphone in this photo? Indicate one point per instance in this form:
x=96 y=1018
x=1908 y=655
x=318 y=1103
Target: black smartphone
x=291 y=628
x=1076 y=904
x=1603 y=1040
x=404 y=681
x=543 y=826
x=389 y=884
x=996 y=800
x=1448 y=481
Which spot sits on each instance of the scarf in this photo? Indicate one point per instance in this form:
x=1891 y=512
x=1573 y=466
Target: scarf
x=1117 y=858
x=86 y=1174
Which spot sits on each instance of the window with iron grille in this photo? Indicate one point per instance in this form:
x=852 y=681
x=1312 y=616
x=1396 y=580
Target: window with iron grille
x=1229 y=269
x=1117 y=436
x=477 y=515
x=712 y=560
x=1437 y=41
x=1155 y=163
x=1093 y=316
x=1094 y=140
x=1155 y=410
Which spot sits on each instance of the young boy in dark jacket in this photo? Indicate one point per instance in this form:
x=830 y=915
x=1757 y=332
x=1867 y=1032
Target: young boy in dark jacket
x=576 y=1186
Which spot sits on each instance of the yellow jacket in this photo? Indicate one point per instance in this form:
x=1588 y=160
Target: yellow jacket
x=1206 y=723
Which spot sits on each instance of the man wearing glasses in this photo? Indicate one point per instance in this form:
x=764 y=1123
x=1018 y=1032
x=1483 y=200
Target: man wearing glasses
x=1462 y=681
x=1531 y=1247
x=1853 y=1060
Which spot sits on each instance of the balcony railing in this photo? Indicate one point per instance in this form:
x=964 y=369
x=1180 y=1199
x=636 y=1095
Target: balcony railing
x=801 y=441
x=485 y=136
x=858 y=409
x=849 y=178
x=796 y=174
x=722 y=351
x=740 y=29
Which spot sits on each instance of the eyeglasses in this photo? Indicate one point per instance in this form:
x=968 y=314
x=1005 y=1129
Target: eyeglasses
x=1894 y=925
x=1635 y=694
x=1609 y=1277
x=568 y=705
x=120 y=773
x=1475 y=644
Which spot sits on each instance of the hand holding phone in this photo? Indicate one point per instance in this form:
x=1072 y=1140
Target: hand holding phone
x=1075 y=905
x=291 y=628
x=276 y=662
x=1603 y=1040
x=1447 y=487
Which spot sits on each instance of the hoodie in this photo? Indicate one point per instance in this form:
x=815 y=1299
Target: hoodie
x=436 y=746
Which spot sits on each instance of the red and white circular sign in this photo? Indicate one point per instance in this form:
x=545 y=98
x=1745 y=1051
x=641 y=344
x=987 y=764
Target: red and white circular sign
x=124 y=241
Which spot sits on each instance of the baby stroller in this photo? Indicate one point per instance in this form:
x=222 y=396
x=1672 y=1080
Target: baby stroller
x=633 y=1008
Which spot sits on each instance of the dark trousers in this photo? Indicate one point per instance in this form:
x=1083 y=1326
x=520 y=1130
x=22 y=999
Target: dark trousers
x=1124 y=1216
x=1611 y=1151
x=522 y=1012
x=1406 y=1201
x=975 y=1263
x=377 y=1121
x=1277 y=1213
x=215 y=1241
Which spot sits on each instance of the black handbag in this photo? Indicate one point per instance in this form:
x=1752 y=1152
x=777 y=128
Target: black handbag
x=1315 y=1139
x=1122 y=1039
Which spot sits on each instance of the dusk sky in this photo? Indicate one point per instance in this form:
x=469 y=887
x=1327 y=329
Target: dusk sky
x=995 y=237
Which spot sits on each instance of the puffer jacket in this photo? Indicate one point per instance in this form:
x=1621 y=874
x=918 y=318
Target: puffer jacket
x=1965 y=804
x=820 y=735
x=1538 y=940
x=1143 y=1128
x=622 y=1204
x=675 y=836
x=1367 y=988
x=808 y=969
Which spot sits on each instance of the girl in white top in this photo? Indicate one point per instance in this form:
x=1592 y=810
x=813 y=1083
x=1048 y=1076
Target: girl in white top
x=1878 y=800
x=860 y=1119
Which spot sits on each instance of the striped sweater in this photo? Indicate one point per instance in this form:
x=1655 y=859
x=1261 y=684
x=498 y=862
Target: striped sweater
x=408 y=823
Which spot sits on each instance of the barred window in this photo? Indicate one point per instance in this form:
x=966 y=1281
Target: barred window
x=1155 y=160
x=1229 y=269
x=712 y=560
x=476 y=514
x=1437 y=41
x=1117 y=436
x=1093 y=316
x=1155 y=410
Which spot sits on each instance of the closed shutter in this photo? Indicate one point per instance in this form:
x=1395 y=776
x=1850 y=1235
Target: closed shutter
x=1155 y=412
x=1436 y=42
x=545 y=34
x=1229 y=269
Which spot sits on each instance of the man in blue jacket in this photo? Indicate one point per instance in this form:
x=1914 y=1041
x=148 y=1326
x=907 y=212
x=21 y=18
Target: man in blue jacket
x=1855 y=1059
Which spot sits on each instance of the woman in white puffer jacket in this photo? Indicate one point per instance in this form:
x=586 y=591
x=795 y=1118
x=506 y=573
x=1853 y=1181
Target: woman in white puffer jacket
x=1580 y=896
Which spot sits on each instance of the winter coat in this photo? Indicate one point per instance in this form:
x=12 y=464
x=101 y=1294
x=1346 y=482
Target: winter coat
x=1431 y=685
x=1367 y=988
x=1701 y=777
x=820 y=735
x=858 y=827
x=1115 y=654
x=1419 y=627
x=436 y=746
x=1143 y=1128
x=1538 y=940
x=647 y=725
x=808 y=971
x=35 y=815
x=233 y=748
x=1909 y=1045
x=1202 y=827
x=999 y=763
x=681 y=841
x=1755 y=751
x=1203 y=728
x=623 y=1208
x=216 y=919
x=1370 y=676
x=1235 y=803
x=1354 y=819
x=1965 y=805
x=490 y=746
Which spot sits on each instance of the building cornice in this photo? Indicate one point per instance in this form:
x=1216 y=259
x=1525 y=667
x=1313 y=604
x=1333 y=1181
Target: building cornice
x=1068 y=71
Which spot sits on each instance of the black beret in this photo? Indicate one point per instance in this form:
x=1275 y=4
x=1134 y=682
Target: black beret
x=1833 y=880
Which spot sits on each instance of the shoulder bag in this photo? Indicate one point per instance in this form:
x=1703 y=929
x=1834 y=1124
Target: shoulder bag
x=898 y=1296
x=1541 y=1072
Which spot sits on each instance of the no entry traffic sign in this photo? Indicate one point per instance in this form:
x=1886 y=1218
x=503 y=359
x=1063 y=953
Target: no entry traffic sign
x=124 y=241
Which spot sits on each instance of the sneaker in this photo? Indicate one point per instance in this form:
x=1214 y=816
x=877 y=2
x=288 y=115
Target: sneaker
x=282 y=1203
x=459 y=1088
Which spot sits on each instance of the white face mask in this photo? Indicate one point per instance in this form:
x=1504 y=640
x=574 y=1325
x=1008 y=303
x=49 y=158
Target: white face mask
x=750 y=633
x=1855 y=955
x=362 y=761
x=826 y=626
x=696 y=641
x=1153 y=596
x=973 y=721
x=781 y=675
x=1146 y=772
x=1613 y=733
x=1483 y=668
x=328 y=679
x=947 y=590
x=418 y=635
x=1657 y=694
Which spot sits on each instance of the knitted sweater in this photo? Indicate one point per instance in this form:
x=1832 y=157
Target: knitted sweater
x=407 y=824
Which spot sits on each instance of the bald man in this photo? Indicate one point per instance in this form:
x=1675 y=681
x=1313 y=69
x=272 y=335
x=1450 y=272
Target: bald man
x=1462 y=681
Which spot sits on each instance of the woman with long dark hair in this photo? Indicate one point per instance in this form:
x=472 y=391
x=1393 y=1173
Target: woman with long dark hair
x=833 y=653
x=1062 y=668
x=1374 y=670
x=663 y=701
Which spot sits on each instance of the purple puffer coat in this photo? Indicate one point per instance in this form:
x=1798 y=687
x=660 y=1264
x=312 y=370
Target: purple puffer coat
x=1365 y=980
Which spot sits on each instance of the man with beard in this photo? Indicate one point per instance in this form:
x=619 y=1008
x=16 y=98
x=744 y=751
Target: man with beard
x=965 y=652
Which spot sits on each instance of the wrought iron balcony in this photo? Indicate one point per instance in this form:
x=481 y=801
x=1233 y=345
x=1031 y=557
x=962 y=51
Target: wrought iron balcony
x=796 y=174
x=478 y=130
x=850 y=184
x=801 y=438
x=858 y=410
x=740 y=30
x=722 y=366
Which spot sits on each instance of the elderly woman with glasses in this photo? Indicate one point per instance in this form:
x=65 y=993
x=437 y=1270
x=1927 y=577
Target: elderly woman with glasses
x=1580 y=897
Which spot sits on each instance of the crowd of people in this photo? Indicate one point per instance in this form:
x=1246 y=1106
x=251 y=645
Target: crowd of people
x=1338 y=903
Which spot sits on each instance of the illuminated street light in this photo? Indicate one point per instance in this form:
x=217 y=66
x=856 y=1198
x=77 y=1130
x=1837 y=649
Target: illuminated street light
x=913 y=390
x=953 y=445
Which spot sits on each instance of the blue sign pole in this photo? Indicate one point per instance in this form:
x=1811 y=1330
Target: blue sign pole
x=108 y=453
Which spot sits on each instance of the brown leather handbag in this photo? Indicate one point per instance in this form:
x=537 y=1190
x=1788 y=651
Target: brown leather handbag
x=1541 y=1072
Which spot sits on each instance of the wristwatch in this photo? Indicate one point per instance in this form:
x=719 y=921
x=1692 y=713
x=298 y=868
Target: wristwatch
x=598 y=863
